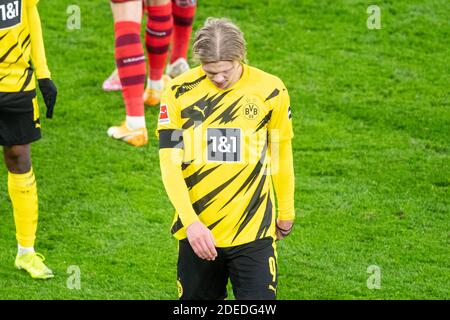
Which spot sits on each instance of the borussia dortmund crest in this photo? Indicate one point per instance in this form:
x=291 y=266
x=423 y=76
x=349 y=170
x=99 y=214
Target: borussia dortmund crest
x=251 y=111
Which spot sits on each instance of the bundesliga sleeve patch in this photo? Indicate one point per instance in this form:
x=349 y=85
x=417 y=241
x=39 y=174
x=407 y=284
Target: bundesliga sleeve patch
x=163 y=114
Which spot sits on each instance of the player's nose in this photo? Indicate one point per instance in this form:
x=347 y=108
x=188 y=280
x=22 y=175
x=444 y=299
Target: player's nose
x=219 y=78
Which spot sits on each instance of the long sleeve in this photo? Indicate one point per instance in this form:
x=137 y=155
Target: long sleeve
x=37 y=43
x=283 y=178
x=176 y=188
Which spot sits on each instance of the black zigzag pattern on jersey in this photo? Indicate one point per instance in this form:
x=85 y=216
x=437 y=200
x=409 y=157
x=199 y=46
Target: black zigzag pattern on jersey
x=187 y=86
x=186 y=165
x=197 y=112
x=26 y=42
x=5 y=76
x=211 y=226
x=203 y=203
x=267 y=219
x=263 y=122
x=230 y=113
x=252 y=176
x=18 y=57
x=176 y=226
x=197 y=176
x=3 y=58
x=274 y=93
x=253 y=206
x=4 y=36
x=29 y=72
x=24 y=45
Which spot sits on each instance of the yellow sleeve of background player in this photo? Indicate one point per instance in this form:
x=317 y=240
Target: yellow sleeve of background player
x=171 y=153
x=37 y=41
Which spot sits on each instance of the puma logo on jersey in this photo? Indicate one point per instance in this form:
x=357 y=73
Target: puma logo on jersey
x=199 y=110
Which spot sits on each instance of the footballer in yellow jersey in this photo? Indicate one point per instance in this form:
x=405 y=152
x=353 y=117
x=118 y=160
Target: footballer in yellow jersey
x=22 y=58
x=223 y=127
x=226 y=144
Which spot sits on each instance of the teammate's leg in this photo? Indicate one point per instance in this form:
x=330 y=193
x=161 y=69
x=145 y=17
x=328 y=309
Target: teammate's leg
x=157 y=39
x=253 y=270
x=23 y=193
x=17 y=130
x=130 y=61
x=183 y=12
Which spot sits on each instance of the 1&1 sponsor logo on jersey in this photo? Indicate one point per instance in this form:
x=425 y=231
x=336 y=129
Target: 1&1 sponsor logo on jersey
x=10 y=13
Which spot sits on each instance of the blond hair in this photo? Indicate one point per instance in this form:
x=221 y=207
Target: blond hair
x=219 y=40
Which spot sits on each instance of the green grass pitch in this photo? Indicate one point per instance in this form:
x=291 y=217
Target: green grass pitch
x=371 y=147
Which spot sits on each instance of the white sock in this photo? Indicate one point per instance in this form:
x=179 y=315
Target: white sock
x=23 y=250
x=134 y=123
x=155 y=84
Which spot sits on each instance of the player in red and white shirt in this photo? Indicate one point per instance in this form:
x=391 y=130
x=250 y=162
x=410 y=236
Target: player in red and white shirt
x=164 y=18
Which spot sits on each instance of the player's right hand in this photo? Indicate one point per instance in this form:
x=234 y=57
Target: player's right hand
x=49 y=92
x=201 y=240
x=283 y=228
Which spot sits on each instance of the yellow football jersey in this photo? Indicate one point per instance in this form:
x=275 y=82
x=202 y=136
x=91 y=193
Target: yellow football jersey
x=227 y=137
x=16 y=70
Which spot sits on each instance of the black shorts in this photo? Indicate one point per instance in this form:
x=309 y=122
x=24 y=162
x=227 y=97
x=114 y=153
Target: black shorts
x=19 y=118
x=252 y=269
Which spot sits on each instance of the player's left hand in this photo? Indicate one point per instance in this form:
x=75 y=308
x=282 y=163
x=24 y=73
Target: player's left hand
x=283 y=228
x=49 y=92
x=201 y=240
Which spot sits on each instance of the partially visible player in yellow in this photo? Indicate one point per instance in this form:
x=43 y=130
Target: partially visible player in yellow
x=225 y=135
x=22 y=58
